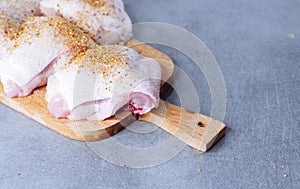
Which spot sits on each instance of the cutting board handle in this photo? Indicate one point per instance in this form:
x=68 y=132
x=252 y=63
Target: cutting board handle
x=196 y=130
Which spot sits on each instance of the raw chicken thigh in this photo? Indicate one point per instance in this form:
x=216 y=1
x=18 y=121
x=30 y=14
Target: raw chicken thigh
x=40 y=46
x=105 y=20
x=102 y=80
x=85 y=81
x=12 y=14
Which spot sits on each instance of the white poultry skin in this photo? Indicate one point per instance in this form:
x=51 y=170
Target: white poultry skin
x=12 y=14
x=104 y=20
x=17 y=11
x=85 y=81
x=39 y=47
x=101 y=81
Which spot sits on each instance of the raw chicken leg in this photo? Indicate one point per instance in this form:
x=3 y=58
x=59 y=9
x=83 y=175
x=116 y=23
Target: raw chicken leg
x=105 y=20
x=40 y=46
x=101 y=81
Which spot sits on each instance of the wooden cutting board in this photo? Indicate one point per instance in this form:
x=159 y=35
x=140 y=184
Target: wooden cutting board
x=199 y=134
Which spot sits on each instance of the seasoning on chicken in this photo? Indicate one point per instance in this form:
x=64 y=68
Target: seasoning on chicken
x=102 y=80
x=12 y=14
x=18 y=10
x=39 y=47
x=104 y=20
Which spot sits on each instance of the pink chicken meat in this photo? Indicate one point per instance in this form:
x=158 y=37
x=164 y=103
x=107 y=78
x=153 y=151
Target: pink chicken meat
x=104 y=20
x=41 y=46
x=102 y=80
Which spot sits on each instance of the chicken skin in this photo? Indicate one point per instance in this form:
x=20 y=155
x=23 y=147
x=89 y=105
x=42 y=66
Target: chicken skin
x=104 y=20
x=101 y=81
x=12 y=14
x=40 y=46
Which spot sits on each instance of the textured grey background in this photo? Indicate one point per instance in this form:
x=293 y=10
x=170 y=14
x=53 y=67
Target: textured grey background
x=261 y=66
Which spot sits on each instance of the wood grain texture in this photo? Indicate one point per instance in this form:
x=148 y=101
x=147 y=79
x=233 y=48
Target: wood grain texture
x=196 y=130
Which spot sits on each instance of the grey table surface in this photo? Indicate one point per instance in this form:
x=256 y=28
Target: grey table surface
x=257 y=45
